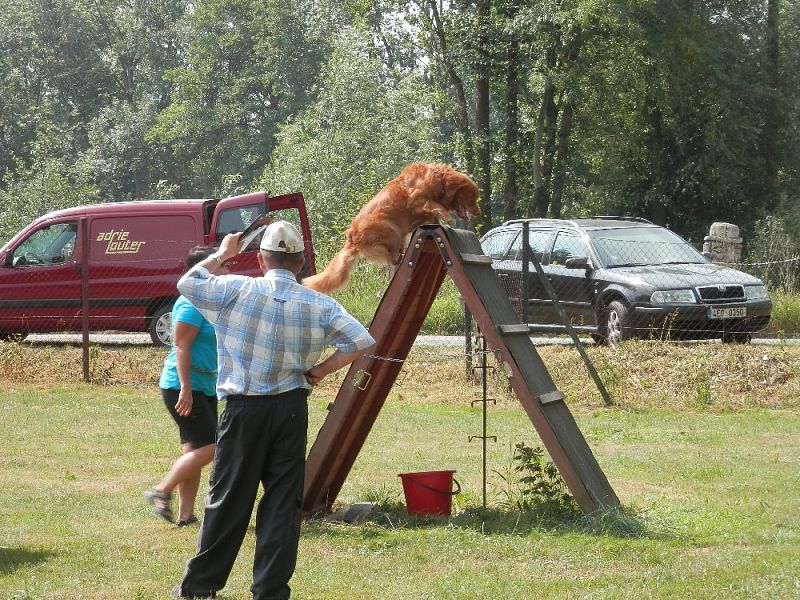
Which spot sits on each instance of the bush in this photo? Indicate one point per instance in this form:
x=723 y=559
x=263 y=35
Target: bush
x=774 y=257
x=368 y=283
x=785 y=314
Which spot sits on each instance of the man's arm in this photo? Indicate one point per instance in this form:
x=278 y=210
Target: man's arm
x=204 y=292
x=334 y=362
x=228 y=248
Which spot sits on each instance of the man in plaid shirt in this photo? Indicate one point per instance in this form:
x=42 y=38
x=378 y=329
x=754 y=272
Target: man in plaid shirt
x=270 y=334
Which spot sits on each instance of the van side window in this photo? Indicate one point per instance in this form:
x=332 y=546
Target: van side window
x=53 y=244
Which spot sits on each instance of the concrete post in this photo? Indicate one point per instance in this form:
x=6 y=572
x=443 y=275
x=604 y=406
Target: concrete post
x=723 y=243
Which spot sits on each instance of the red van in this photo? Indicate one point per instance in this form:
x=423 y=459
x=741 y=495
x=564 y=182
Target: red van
x=137 y=252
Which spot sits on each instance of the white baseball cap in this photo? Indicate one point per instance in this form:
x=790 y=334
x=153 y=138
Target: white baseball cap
x=282 y=236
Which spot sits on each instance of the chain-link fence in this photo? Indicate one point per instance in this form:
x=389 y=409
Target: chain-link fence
x=617 y=279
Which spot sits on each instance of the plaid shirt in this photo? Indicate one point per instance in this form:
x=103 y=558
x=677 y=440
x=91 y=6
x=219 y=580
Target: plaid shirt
x=270 y=330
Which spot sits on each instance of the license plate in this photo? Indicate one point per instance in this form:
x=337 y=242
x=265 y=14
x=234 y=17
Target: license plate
x=727 y=312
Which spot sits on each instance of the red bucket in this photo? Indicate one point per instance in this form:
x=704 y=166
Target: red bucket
x=429 y=492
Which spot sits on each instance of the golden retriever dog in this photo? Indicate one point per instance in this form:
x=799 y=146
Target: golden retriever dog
x=422 y=193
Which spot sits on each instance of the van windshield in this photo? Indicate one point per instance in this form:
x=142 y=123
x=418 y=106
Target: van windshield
x=634 y=246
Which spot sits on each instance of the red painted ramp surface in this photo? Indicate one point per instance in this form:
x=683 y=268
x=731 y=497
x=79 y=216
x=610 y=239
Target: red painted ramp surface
x=434 y=252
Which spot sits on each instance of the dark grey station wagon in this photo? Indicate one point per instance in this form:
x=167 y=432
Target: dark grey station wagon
x=618 y=278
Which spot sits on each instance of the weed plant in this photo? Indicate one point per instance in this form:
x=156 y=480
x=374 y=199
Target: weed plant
x=534 y=483
x=774 y=257
x=785 y=321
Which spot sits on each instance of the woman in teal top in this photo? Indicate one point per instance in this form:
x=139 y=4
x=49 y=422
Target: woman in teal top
x=188 y=387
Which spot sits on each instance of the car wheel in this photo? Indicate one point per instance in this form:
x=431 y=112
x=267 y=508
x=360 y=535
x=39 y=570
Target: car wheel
x=161 y=326
x=729 y=337
x=617 y=324
x=598 y=339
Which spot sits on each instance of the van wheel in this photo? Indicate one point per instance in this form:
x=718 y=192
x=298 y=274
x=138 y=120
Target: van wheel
x=161 y=326
x=16 y=336
x=616 y=323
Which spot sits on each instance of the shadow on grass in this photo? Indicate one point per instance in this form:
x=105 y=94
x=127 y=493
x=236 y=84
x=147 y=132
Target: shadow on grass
x=12 y=559
x=623 y=523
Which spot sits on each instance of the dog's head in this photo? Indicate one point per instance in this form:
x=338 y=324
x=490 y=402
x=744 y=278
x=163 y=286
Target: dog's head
x=460 y=193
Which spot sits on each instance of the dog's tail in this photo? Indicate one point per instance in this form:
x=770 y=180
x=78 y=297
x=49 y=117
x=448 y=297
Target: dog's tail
x=336 y=273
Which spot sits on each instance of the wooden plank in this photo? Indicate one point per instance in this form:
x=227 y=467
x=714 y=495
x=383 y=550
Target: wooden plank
x=395 y=326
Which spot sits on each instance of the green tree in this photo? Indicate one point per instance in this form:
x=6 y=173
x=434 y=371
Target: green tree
x=94 y=72
x=365 y=126
x=49 y=183
x=673 y=114
x=250 y=65
x=140 y=44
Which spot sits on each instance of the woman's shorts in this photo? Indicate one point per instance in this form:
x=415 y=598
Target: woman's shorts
x=199 y=428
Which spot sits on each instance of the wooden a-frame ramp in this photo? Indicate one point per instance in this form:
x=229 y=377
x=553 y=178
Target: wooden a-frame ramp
x=433 y=252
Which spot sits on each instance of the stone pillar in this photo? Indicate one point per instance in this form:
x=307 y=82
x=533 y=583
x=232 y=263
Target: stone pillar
x=723 y=243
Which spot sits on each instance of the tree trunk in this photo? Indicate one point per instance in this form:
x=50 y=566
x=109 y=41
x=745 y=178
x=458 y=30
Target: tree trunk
x=482 y=109
x=484 y=151
x=564 y=130
x=544 y=139
x=658 y=198
x=771 y=108
x=510 y=189
x=462 y=113
x=542 y=159
x=549 y=159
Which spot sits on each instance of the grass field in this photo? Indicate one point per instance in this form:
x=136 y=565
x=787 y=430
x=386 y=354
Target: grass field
x=703 y=450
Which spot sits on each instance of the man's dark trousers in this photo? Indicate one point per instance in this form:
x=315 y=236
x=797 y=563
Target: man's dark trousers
x=259 y=439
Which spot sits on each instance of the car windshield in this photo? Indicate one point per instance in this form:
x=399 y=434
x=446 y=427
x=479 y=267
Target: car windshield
x=634 y=246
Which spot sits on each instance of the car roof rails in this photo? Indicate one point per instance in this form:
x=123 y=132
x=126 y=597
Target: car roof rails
x=575 y=222
x=616 y=218
x=540 y=220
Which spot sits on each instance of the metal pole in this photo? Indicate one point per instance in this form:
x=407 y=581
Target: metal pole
x=84 y=266
x=526 y=286
x=484 y=400
x=568 y=324
x=467 y=340
x=483 y=372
